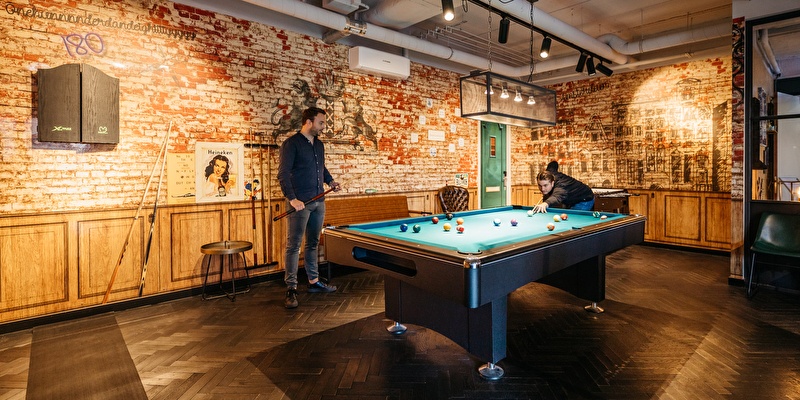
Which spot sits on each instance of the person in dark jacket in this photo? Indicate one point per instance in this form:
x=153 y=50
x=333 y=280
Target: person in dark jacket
x=301 y=174
x=563 y=191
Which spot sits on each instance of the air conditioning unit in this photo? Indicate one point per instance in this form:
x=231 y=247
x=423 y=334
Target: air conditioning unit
x=376 y=62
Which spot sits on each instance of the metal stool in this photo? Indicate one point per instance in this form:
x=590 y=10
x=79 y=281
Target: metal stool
x=221 y=249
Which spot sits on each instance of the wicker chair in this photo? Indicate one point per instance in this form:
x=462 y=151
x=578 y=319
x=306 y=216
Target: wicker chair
x=453 y=198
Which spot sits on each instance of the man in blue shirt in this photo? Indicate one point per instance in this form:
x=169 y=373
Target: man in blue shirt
x=301 y=175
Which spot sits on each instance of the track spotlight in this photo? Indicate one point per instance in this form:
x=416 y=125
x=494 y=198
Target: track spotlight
x=502 y=35
x=604 y=70
x=581 y=63
x=448 y=12
x=518 y=97
x=531 y=100
x=590 y=66
x=504 y=94
x=545 y=51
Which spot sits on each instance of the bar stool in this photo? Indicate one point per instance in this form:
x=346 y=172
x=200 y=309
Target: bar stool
x=222 y=249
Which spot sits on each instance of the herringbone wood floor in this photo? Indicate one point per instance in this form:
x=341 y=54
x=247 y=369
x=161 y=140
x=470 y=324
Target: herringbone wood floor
x=673 y=329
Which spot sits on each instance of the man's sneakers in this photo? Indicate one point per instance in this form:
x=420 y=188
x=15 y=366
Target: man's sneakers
x=291 y=299
x=320 y=287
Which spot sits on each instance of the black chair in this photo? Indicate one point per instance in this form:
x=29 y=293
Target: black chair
x=453 y=198
x=777 y=242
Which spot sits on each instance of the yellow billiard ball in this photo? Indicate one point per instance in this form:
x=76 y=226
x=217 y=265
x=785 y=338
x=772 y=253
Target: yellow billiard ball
x=446 y=227
x=557 y=218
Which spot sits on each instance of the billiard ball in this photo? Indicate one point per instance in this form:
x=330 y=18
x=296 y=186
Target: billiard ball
x=417 y=228
x=403 y=227
x=530 y=213
x=496 y=222
x=564 y=217
x=596 y=214
x=446 y=227
x=551 y=226
x=460 y=221
x=557 y=218
x=513 y=222
x=603 y=217
x=449 y=216
x=435 y=220
x=460 y=228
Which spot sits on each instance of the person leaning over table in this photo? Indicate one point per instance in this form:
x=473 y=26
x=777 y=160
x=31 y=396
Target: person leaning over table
x=563 y=191
x=301 y=174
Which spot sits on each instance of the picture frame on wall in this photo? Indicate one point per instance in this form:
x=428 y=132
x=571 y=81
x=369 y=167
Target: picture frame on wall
x=219 y=172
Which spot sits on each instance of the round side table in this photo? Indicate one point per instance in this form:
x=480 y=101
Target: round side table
x=228 y=248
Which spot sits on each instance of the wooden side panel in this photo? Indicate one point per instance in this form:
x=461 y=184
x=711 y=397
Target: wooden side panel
x=682 y=217
x=640 y=204
x=33 y=265
x=718 y=220
x=100 y=243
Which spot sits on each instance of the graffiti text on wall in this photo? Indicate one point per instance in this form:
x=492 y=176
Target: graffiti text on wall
x=88 y=20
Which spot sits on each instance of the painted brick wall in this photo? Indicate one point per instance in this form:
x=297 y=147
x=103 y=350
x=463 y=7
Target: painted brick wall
x=221 y=79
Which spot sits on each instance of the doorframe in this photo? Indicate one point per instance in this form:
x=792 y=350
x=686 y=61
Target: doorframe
x=507 y=151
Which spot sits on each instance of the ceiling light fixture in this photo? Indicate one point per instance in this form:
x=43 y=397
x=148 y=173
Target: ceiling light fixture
x=502 y=34
x=581 y=63
x=518 y=97
x=504 y=94
x=545 y=50
x=531 y=100
x=604 y=70
x=590 y=66
x=448 y=12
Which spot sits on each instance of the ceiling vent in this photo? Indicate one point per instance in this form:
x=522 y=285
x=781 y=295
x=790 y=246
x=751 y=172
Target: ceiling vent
x=374 y=62
x=342 y=6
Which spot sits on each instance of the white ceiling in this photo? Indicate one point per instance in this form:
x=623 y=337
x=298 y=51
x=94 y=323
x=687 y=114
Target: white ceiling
x=653 y=32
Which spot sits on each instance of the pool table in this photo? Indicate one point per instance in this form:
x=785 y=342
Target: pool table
x=457 y=282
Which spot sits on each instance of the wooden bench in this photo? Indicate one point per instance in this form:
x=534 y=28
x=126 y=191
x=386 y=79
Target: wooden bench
x=356 y=210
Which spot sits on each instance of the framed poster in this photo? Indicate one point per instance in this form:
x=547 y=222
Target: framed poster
x=219 y=172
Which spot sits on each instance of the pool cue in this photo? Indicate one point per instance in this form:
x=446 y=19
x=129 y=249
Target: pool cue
x=135 y=218
x=264 y=185
x=269 y=260
x=153 y=220
x=313 y=199
x=253 y=193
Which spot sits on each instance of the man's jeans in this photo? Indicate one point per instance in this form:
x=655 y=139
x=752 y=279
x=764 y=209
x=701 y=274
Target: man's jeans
x=306 y=222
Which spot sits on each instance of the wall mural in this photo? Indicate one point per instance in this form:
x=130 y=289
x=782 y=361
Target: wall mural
x=346 y=120
x=652 y=144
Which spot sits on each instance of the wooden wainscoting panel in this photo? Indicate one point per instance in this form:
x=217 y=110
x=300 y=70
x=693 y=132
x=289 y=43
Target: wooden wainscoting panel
x=241 y=228
x=718 y=220
x=188 y=232
x=100 y=243
x=420 y=201
x=33 y=265
x=681 y=213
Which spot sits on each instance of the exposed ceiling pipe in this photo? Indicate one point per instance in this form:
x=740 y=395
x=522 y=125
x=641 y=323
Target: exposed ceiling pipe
x=551 y=24
x=322 y=17
x=722 y=29
x=400 y=14
x=765 y=49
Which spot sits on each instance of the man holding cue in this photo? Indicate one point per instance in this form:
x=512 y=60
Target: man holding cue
x=301 y=174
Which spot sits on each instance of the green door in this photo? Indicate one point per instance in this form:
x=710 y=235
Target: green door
x=493 y=165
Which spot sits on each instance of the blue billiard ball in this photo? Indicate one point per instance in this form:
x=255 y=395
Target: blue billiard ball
x=403 y=227
x=417 y=228
x=496 y=222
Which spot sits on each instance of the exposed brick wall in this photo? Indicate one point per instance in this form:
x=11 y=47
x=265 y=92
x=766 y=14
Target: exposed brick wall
x=219 y=79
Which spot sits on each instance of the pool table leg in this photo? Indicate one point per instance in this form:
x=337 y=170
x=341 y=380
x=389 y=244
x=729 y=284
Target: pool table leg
x=396 y=328
x=594 y=308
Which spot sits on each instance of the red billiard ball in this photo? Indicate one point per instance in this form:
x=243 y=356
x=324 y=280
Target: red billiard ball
x=564 y=216
x=460 y=228
x=551 y=226
x=435 y=220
